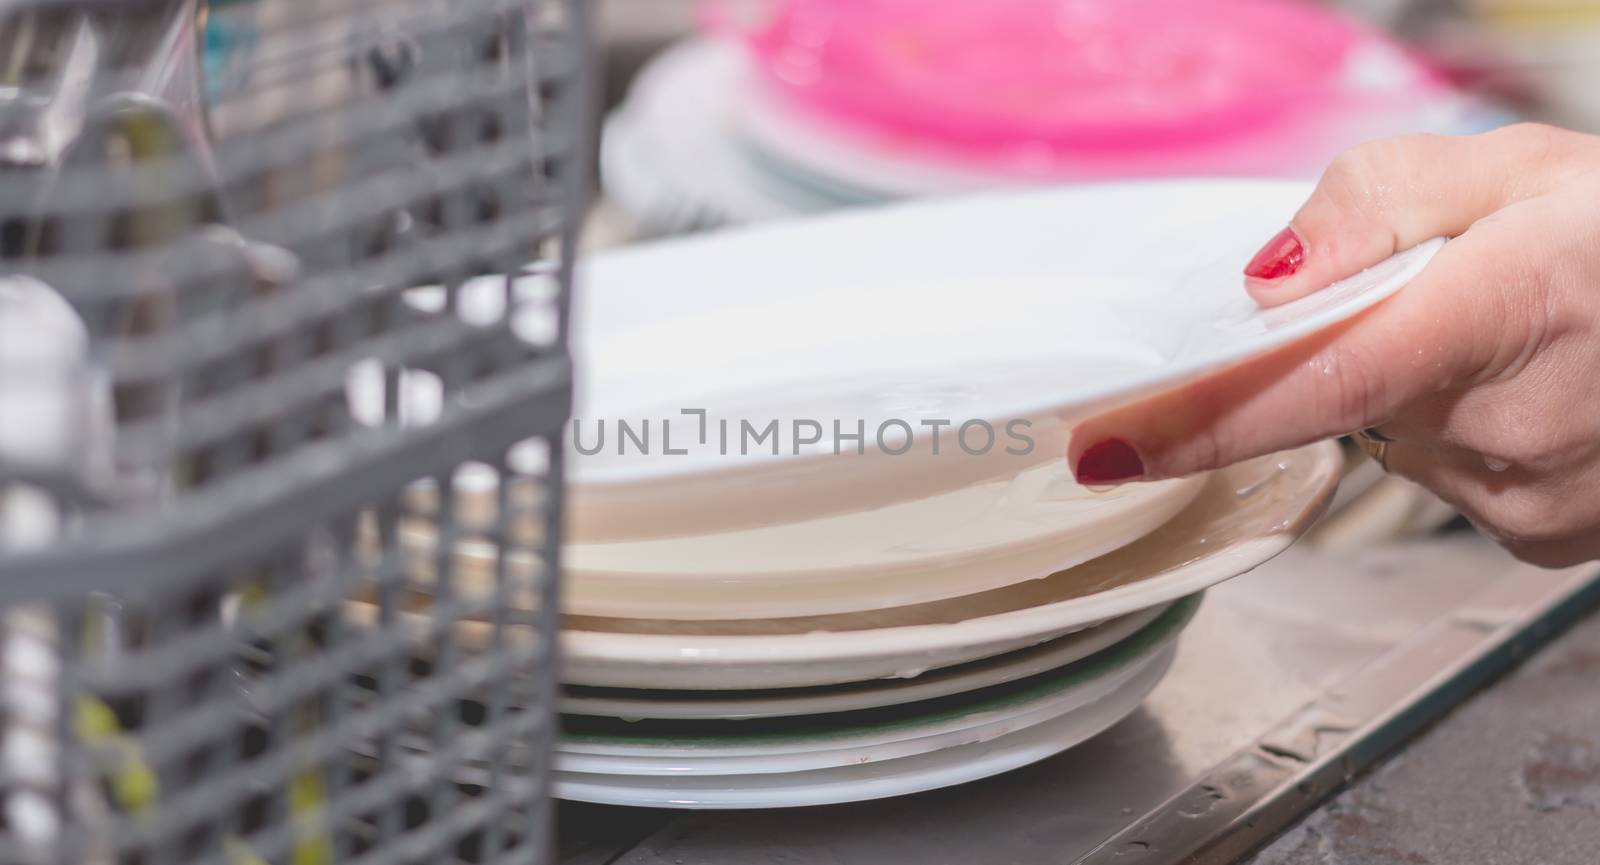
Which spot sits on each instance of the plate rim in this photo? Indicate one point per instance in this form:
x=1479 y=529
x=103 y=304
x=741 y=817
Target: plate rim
x=1138 y=648
x=942 y=768
x=839 y=693
x=1302 y=318
x=604 y=646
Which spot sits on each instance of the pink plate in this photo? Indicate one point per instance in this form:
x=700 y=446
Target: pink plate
x=1053 y=75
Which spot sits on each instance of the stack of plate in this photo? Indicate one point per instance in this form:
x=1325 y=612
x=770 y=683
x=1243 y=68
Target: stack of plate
x=833 y=103
x=776 y=712
x=899 y=586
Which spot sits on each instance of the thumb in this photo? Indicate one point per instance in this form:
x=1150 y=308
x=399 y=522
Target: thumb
x=1382 y=197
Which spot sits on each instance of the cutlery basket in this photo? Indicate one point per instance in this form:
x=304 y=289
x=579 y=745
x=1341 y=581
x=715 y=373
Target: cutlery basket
x=248 y=328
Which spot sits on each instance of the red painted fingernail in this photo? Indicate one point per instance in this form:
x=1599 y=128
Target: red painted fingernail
x=1107 y=462
x=1281 y=257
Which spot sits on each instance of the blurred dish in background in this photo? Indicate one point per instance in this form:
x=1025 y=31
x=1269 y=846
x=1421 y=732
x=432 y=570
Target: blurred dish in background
x=910 y=98
x=1030 y=78
x=668 y=159
x=831 y=103
x=1545 y=51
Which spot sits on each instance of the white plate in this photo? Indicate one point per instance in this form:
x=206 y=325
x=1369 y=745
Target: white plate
x=1245 y=515
x=1014 y=315
x=668 y=159
x=722 y=747
x=1057 y=653
x=951 y=734
x=871 y=780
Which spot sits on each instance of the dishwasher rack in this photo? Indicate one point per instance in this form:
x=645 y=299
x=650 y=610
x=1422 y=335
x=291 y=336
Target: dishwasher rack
x=252 y=332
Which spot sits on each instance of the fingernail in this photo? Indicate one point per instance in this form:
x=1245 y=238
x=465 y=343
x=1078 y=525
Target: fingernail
x=1108 y=461
x=1281 y=257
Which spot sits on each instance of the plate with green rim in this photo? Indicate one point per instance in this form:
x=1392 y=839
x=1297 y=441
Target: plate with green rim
x=868 y=780
x=850 y=737
x=822 y=699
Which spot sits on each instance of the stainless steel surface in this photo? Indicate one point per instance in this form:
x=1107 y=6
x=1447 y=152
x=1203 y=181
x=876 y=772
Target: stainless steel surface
x=1300 y=672
x=1249 y=797
x=1512 y=777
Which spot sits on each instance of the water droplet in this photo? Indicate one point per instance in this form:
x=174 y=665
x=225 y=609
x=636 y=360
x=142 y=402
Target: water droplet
x=1254 y=485
x=1495 y=465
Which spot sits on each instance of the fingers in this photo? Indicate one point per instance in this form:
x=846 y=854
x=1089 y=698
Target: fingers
x=1446 y=328
x=1511 y=504
x=1453 y=474
x=1383 y=197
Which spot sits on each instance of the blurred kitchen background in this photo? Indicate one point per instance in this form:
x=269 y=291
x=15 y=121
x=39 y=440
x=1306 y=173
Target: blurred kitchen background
x=734 y=111
x=710 y=123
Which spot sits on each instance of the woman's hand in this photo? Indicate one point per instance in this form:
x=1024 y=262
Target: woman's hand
x=1484 y=371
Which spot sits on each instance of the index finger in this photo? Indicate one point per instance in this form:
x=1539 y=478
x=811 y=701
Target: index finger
x=1448 y=325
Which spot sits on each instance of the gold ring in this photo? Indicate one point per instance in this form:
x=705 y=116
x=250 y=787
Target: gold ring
x=1375 y=445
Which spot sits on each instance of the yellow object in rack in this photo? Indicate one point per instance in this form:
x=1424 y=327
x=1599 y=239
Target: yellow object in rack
x=1537 y=14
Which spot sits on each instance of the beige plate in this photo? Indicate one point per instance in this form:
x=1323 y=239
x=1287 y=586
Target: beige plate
x=982 y=537
x=1245 y=515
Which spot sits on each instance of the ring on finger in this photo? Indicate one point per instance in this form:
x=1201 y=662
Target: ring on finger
x=1375 y=445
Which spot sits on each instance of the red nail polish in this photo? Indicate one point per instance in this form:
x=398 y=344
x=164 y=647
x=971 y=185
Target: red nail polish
x=1107 y=462
x=1281 y=257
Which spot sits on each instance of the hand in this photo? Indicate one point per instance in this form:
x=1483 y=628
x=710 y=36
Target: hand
x=1485 y=370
